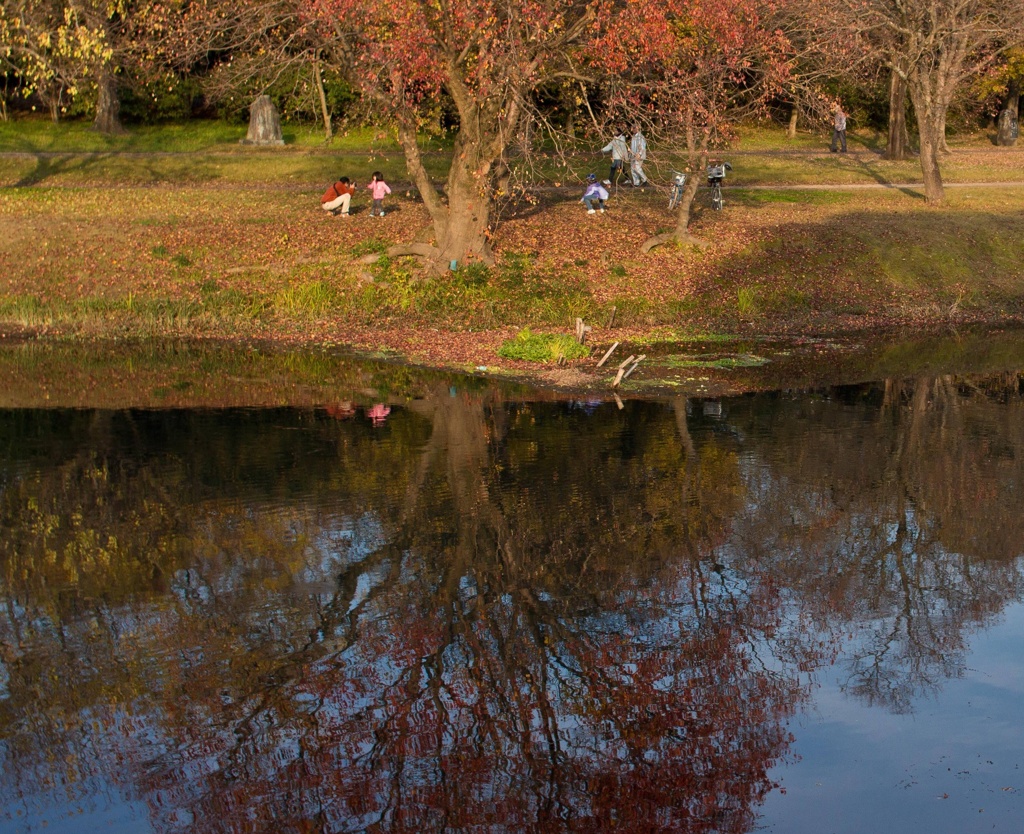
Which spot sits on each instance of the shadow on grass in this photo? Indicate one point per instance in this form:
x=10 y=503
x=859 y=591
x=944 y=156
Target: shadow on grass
x=48 y=165
x=869 y=264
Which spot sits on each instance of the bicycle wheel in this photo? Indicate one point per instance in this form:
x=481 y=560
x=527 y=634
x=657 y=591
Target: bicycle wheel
x=673 y=197
x=716 y=196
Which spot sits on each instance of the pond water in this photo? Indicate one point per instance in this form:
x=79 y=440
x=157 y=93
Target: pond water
x=475 y=609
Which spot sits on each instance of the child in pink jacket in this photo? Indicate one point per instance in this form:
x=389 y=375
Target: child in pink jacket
x=378 y=189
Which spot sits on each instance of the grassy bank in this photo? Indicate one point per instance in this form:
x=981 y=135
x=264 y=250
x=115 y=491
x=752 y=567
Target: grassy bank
x=171 y=233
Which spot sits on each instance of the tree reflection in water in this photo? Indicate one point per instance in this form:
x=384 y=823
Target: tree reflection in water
x=905 y=529
x=481 y=613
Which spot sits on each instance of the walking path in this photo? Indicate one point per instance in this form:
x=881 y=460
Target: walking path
x=867 y=185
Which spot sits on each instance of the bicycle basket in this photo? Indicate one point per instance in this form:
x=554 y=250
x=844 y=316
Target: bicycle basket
x=716 y=172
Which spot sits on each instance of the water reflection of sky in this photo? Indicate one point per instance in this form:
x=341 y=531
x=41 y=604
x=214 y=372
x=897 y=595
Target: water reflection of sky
x=955 y=764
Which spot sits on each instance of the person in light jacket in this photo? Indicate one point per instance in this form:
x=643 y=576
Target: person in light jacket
x=378 y=191
x=620 y=153
x=637 y=155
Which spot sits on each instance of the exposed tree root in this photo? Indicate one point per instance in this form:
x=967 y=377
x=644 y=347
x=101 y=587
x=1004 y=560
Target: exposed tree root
x=431 y=255
x=420 y=250
x=685 y=239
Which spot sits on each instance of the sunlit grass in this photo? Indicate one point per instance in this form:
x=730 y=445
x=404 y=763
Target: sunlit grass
x=542 y=347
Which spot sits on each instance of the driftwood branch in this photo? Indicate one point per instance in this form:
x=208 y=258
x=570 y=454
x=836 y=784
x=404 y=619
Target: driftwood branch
x=604 y=358
x=624 y=372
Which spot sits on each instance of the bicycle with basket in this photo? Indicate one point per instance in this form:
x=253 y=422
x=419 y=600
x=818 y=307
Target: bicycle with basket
x=675 y=194
x=716 y=173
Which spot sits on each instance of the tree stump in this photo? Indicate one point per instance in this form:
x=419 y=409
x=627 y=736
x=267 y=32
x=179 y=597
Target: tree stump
x=264 y=124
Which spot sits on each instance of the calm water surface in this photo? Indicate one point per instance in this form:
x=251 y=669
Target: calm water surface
x=468 y=611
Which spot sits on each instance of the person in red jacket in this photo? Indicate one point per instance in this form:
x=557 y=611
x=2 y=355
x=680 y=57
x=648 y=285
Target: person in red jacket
x=338 y=197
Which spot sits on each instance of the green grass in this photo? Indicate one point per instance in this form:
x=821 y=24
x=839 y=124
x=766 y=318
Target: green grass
x=40 y=135
x=199 y=151
x=542 y=347
x=746 y=301
x=306 y=300
x=208 y=151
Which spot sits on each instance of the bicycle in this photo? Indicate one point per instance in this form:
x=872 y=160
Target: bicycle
x=716 y=173
x=675 y=195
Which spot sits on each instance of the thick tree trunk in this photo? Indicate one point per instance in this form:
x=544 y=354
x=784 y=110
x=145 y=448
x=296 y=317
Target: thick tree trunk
x=464 y=233
x=791 y=128
x=930 y=135
x=898 y=145
x=461 y=222
x=1007 y=125
x=930 y=97
x=108 y=105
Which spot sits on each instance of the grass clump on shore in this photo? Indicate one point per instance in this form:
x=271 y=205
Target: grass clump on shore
x=542 y=347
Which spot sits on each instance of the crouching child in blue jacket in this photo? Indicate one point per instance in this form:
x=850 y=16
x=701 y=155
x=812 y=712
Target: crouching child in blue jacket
x=596 y=194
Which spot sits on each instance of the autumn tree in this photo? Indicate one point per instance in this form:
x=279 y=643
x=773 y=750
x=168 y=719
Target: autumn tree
x=63 y=50
x=691 y=74
x=51 y=49
x=1003 y=85
x=487 y=57
x=933 y=46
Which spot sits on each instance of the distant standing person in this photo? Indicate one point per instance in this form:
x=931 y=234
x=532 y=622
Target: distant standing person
x=620 y=153
x=839 y=131
x=378 y=191
x=637 y=156
x=338 y=198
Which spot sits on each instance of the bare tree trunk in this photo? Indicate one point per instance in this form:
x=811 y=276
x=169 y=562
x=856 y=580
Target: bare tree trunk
x=791 y=128
x=108 y=105
x=930 y=136
x=318 y=78
x=930 y=109
x=1007 y=125
x=898 y=146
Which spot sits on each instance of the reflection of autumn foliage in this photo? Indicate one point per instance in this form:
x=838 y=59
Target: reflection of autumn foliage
x=499 y=707
x=443 y=628
x=486 y=613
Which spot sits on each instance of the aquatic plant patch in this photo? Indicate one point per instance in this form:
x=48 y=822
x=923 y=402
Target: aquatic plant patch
x=724 y=362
